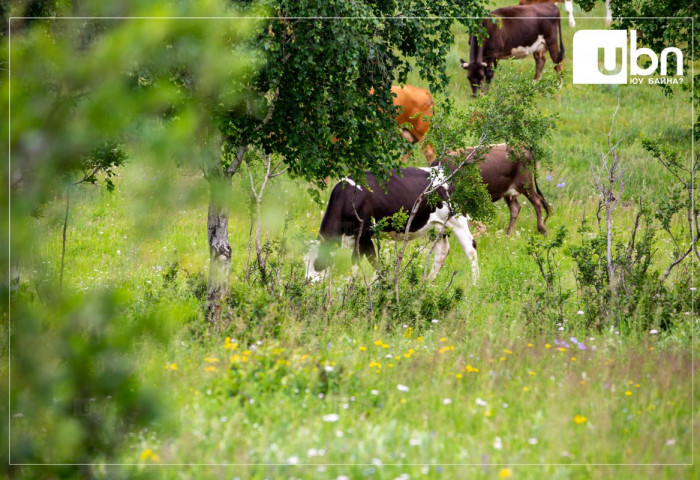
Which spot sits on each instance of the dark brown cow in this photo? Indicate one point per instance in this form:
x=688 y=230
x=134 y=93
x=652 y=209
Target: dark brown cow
x=525 y=30
x=568 y=6
x=416 y=104
x=507 y=178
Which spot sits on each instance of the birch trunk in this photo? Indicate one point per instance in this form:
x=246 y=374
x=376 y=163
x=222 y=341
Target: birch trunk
x=218 y=284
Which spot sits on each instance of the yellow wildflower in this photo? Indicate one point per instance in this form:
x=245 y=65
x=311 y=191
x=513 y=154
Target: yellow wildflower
x=211 y=360
x=505 y=350
x=546 y=345
x=171 y=366
x=579 y=419
x=628 y=393
x=504 y=473
x=526 y=389
x=573 y=359
x=443 y=339
x=531 y=373
x=458 y=375
x=210 y=368
x=363 y=348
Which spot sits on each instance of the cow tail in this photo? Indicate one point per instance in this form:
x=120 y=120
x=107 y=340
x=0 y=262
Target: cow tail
x=561 y=44
x=544 y=201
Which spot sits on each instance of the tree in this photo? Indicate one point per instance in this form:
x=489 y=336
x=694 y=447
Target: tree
x=311 y=102
x=77 y=89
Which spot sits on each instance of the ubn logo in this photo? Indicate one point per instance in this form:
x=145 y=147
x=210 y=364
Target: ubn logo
x=588 y=43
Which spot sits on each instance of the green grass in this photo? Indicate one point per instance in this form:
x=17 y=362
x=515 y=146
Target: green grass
x=267 y=406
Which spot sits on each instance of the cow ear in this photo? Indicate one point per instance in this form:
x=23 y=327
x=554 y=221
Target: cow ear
x=464 y=64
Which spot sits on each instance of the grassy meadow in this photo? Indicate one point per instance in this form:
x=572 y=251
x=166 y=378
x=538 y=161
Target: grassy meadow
x=300 y=385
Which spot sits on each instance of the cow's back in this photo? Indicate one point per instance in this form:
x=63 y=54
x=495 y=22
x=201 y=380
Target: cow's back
x=518 y=29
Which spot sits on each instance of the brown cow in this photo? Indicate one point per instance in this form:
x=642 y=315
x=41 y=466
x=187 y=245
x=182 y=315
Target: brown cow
x=568 y=6
x=520 y=31
x=416 y=103
x=507 y=178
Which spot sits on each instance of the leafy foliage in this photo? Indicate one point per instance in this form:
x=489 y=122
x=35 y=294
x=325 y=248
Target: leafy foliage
x=322 y=98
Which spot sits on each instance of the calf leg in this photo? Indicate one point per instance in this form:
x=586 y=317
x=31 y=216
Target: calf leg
x=553 y=50
x=514 y=206
x=365 y=248
x=442 y=248
x=537 y=201
x=569 y=7
x=539 y=64
x=460 y=227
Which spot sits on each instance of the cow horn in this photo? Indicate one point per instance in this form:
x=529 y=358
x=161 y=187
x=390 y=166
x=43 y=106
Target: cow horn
x=484 y=64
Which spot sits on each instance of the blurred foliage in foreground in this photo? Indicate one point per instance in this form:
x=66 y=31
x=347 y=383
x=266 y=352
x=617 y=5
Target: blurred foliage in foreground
x=85 y=96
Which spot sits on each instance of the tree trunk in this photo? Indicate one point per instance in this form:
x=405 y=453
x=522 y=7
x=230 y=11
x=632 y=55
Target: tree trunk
x=219 y=256
x=218 y=284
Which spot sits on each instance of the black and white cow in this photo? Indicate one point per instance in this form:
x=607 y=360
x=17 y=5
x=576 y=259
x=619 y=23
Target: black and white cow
x=520 y=30
x=353 y=209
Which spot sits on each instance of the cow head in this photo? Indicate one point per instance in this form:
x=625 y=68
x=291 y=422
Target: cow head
x=476 y=74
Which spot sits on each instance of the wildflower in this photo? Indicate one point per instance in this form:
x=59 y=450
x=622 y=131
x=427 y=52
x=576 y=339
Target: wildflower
x=374 y=392
x=549 y=178
x=211 y=360
x=458 y=375
x=579 y=419
x=443 y=339
x=293 y=460
x=403 y=400
x=529 y=345
x=531 y=373
x=532 y=441
x=653 y=331
x=328 y=368
x=446 y=401
x=636 y=385
x=526 y=389
x=363 y=348
x=480 y=402
x=171 y=366
x=210 y=368
x=148 y=454
x=497 y=443
x=546 y=345
x=671 y=441
x=506 y=351
x=228 y=345
x=402 y=388
x=561 y=349
x=414 y=442
x=573 y=359
x=580 y=312
x=504 y=473
x=561 y=184
x=331 y=417
x=628 y=393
